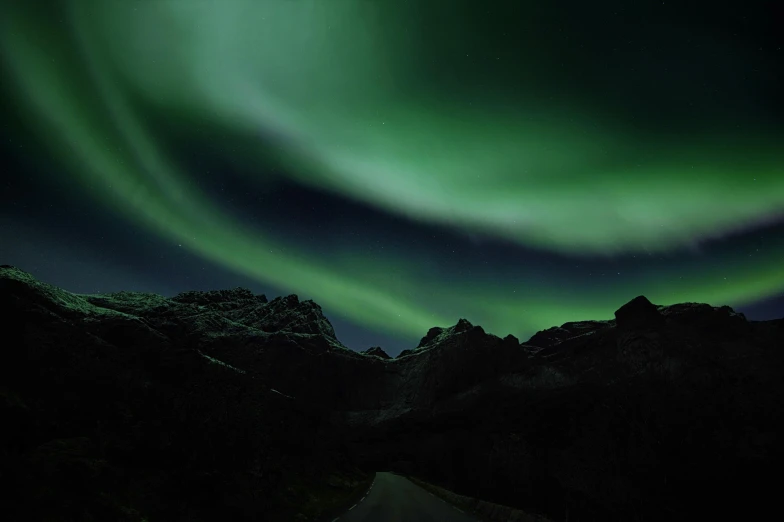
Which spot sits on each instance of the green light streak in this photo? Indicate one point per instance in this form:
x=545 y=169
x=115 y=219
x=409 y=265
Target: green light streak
x=337 y=86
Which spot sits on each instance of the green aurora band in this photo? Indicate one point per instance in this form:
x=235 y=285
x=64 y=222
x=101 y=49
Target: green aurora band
x=340 y=87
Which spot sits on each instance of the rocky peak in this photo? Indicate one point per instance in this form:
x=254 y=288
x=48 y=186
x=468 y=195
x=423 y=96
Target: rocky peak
x=463 y=325
x=291 y=299
x=511 y=340
x=437 y=334
x=638 y=314
x=377 y=351
x=288 y=313
x=431 y=334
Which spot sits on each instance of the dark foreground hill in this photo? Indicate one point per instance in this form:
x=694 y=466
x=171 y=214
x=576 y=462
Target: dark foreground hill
x=224 y=406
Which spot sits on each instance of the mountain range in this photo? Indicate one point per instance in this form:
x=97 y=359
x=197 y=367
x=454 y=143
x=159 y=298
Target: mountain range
x=227 y=405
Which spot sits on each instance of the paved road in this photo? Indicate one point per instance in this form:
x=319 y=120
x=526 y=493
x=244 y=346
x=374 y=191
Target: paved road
x=393 y=498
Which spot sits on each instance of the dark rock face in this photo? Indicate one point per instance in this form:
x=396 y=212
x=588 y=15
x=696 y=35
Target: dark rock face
x=132 y=405
x=549 y=337
x=432 y=334
x=217 y=296
x=639 y=313
x=118 y=413
x=567 y=333
x=377 y=351
x=708 y=319
x=511 y=341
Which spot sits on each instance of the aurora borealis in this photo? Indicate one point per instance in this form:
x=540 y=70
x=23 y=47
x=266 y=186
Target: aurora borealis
x=403 y=164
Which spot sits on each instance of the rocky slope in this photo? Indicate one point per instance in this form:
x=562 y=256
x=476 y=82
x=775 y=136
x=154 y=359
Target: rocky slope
x=224 y=405
x=116 y=407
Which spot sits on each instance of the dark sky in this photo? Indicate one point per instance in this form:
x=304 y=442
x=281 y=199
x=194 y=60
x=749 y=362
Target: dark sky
x=403 y=164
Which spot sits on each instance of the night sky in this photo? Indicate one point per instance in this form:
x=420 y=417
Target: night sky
x=403 y=163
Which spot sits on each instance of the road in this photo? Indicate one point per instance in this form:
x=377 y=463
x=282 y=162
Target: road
x=393 y=498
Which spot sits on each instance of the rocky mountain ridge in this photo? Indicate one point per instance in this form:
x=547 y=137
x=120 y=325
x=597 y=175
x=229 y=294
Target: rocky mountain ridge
x=618 y=419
